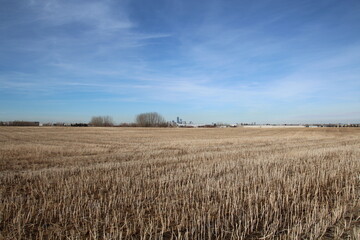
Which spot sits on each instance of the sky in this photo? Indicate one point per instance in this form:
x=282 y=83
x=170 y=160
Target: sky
x=204 y=61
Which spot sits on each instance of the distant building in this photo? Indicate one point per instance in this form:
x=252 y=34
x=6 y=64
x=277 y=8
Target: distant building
x=24 y=124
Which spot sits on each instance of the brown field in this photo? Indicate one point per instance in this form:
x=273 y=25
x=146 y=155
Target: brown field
x=134 y=183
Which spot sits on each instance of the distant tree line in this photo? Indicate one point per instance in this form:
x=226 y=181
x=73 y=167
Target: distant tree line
x=150 y=119
x=102 y=121
x=79 y=125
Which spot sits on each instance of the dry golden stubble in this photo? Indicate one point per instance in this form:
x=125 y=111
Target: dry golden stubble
x=134 y=183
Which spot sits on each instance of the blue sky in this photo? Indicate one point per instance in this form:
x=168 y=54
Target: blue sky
x=205 y=61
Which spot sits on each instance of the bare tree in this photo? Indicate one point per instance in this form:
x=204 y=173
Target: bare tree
x=102 y=121
x=108 y=121
x=151 y=119
x=96 y=121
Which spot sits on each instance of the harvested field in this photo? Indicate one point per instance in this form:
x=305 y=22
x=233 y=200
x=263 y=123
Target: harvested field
x=137 y=183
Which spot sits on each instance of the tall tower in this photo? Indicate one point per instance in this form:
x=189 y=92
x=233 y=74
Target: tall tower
x=177 y=120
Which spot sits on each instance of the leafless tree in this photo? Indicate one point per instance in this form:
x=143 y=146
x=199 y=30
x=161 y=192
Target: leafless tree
x=102 y=121
x=108 y=121
x=151 y=119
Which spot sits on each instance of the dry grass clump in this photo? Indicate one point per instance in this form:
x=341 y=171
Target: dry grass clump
x=112 y=183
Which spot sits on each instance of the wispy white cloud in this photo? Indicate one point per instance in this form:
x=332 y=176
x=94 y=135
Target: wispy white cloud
x=98 y=15
x=72 y=31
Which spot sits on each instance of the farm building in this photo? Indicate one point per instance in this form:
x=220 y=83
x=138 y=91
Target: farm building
x=24 y=124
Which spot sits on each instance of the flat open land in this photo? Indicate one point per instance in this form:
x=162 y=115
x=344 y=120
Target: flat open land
x=137 y=183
